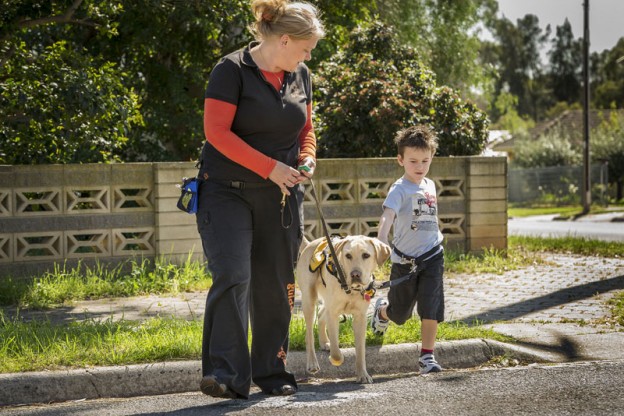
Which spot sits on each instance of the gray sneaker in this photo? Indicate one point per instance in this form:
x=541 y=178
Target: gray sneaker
x=428 y=364
x=379 y=325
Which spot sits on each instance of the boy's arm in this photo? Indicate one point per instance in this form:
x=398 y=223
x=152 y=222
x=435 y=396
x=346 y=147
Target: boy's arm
x=385 y=223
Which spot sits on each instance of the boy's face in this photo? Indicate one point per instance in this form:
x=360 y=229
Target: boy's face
x=416 y=163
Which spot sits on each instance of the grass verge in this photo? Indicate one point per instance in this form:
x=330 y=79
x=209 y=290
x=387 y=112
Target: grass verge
x=517 y=210
x=36 y=346
x=42 y=345
x=568 y=245
x=136 y=277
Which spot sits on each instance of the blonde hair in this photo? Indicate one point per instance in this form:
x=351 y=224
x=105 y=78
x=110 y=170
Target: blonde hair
x=298 y=20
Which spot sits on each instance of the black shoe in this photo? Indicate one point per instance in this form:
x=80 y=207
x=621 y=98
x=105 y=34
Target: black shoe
x=210 y=386
x=285 y=390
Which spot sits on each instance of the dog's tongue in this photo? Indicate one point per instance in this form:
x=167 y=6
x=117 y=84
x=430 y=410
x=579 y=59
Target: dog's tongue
x=367 y=297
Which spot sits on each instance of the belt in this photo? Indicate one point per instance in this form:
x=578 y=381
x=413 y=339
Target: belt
x=242 y=184
x=422 y=258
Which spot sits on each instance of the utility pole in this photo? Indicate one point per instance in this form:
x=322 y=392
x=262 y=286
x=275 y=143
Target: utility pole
x=586 y=197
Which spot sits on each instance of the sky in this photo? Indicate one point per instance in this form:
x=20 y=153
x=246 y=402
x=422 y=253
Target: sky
x=606 y=17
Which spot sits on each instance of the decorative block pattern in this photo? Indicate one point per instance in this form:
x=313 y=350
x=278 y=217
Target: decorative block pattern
x=120 y=211
x=312 y=230
x=369 y=226
x=42 y=201
x=133 y=241
x=87 y=201
x=5 y=248
x=307 y=195
x=450 y=187
x=452 y=225
x=341 y=226
x=337 y=191
x=137 y=198
x=88 y=243
x=39 y=246
x=5 y=203
x=374 y=190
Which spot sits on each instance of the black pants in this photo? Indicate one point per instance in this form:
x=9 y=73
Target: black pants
x=425 y=290
x=251 y=256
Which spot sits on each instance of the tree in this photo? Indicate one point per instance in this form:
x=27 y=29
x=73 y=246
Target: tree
x=510 y=119
x=515 y=56
x=566 y=57
x=374 y=86
x=162 y=50
x=59 y=104
x=607 y=72
x=445 y=33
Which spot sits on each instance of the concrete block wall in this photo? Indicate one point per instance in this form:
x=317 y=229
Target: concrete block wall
x=89 y=213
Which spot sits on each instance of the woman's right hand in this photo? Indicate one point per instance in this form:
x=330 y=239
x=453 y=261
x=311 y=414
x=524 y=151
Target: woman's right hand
x=284 y=176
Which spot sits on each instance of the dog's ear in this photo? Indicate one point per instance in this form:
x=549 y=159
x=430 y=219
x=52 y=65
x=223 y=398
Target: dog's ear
x=382 y=251
x=339 y=244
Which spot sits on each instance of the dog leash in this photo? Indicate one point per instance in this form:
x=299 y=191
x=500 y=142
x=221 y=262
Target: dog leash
x=340 y=273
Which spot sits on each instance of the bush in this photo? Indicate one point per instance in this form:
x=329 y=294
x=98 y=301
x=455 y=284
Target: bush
x=59 y=106
x=552 y=149
x=374 y=86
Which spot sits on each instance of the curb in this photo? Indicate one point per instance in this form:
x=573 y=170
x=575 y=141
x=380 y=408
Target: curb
x=184 y=376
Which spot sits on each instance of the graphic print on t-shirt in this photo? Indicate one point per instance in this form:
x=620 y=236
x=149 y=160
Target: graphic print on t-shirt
x=424 y=210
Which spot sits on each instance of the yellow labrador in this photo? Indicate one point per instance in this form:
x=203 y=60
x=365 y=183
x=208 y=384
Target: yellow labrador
x=359 y=256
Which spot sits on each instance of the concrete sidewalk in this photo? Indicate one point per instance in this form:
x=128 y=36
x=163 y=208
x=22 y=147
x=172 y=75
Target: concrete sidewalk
x=556 y=310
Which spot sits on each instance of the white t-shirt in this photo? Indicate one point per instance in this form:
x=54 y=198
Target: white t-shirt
x=415 y=227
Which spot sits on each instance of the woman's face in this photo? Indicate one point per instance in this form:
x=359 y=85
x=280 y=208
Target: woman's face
x=296 y=51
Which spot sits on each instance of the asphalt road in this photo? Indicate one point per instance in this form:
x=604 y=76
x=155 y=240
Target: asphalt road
x=598 y=227
x=579 y=388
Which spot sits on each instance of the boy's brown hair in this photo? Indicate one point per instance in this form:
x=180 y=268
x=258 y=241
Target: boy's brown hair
x=419 y=136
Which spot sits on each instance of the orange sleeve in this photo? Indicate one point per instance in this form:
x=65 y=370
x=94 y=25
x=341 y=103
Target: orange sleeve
x=218 y=117
x=307 y=138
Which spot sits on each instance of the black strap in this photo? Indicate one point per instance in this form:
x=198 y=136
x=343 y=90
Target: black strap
x=340 y=274
x=423 y=257
x=415 y=261
x=241 y=184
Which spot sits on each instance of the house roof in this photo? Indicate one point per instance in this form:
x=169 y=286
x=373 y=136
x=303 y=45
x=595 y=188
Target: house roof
x=570 y=123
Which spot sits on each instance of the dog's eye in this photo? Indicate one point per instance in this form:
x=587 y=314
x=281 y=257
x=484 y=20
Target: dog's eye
x=365 y=255
x=349 y=256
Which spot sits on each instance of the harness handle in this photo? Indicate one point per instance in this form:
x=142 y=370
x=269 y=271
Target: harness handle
x=341 y=276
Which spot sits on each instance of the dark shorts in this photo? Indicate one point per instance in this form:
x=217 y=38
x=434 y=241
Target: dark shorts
x=425 y=290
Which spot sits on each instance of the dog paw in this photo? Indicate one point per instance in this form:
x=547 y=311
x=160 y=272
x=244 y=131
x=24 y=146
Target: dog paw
x=313 y=369
x=364 y=379
x=336 y=361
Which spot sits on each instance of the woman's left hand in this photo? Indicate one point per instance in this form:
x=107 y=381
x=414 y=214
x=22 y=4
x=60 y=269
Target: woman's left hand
x=306 y=167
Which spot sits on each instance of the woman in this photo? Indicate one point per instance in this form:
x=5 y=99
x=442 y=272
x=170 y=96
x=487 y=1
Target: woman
x=260 y=145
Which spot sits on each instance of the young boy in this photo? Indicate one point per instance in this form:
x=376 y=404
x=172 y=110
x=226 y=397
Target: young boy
x=417 y=254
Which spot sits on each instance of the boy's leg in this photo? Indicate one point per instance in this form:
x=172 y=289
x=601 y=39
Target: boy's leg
x=400 y=303
x=401 y=298
x=431 y=311
x=428 y=330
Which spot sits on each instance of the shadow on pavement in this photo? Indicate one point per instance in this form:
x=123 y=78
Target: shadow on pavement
x=564 y=346
x=551 y=300
x=312 y=394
